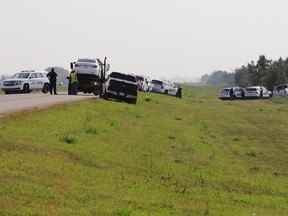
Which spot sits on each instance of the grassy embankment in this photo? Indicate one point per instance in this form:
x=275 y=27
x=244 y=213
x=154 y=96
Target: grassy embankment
x=196 y=156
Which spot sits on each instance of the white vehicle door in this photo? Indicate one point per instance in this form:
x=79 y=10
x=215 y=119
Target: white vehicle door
x=33 y=81
x=265 y=92
x=40 y=80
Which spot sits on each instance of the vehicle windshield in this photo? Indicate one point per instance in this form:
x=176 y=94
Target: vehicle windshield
x=157 y=82
x=123 y=76
x=85 y=65
x=87 y=60
x=21 y=75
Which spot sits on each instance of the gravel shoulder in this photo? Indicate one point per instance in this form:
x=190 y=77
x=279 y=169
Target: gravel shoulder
x=23 y=102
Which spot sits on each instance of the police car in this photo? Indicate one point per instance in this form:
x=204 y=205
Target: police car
x=281 y=90
x=232 y=93
x=25 y=82
x=257 y=92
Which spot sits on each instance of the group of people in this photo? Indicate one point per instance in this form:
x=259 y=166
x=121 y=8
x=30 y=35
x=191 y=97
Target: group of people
x=73 y=82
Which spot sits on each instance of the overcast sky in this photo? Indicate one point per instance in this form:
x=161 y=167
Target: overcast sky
x=165 y=38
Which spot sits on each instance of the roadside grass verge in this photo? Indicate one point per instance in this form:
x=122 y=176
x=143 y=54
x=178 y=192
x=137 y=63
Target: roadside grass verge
x=165 y=156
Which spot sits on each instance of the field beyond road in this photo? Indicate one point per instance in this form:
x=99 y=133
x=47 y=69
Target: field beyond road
x=164 y=156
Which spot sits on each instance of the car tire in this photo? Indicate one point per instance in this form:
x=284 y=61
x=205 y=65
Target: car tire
x=96 y=92
x=45 y=88
x=26 y=88
x=7 y=92
x=105 y=96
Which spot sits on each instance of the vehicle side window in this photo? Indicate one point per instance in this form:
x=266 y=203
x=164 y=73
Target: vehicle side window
x=33 y=76
x=39 y=75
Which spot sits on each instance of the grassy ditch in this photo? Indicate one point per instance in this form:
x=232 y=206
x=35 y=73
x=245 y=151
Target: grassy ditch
x=165 y=156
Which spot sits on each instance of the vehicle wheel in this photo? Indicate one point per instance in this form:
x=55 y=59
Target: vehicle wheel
x=7 y=92
x=26 y=88
x=45 y=88
x=166 y=92
x=96 y=92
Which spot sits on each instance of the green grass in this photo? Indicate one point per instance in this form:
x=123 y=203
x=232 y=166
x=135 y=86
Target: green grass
x=165 y=156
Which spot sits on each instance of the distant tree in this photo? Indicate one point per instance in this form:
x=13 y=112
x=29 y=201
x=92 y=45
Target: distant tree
x=221 y=78
x=242 y=77
x=265 y=72
x=263 y=66
x=204 y=79
x=276 y=74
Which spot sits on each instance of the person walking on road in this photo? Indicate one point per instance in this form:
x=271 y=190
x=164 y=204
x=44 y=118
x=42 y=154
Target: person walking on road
x=73 y=83
x=52 y=76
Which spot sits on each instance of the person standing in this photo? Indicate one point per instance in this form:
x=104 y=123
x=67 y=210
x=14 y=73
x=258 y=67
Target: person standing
x=52 y=76
x=73 y=83
x=179 y=92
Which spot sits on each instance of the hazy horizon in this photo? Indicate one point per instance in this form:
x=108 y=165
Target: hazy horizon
x=174 y=38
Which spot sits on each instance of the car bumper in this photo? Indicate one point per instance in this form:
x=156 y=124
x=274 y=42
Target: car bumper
x=11 y=88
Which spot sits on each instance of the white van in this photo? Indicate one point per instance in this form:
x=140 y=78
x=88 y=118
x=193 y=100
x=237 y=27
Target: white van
x=25 y=82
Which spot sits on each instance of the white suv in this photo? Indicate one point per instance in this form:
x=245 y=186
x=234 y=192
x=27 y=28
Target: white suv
x=26 y=81
x=257 y=92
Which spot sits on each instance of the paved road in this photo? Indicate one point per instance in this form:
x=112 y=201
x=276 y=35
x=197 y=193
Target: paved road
x=22 y=102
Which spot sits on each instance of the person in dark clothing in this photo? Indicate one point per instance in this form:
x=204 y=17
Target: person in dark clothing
x=52 y=76
x=179 y=92
x=231 y=93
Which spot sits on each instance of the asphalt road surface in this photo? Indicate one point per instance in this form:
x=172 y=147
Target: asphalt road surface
x=23 y=102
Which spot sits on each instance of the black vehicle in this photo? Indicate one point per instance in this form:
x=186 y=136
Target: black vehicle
x=121 y=86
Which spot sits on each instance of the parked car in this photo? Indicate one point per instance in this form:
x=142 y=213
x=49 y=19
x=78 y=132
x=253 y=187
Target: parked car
x=157 y=86
x=257 y=92
x=281 y=90
x=232 y=93
x=172 y=89
x=25 y=82
x=86 y=66
x=121 y=86
x=88 y=74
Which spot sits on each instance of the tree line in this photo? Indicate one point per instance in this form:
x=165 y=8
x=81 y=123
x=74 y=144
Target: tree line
x=263 y=72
